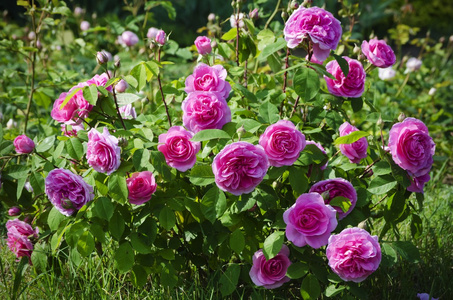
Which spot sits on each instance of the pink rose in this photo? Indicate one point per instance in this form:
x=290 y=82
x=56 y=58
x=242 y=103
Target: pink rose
x=67 y=113
x=203 y=44
x=141 y=186
x=103 y=153
x=351 y=86
x=180 y=153
x=152 y=32
x=337 y=187
x=310 y=221
x=282 y=143
x=19 y=244
x=270 y=273
x=317 y=24
x=161 y=37
x=418 y=183
x=22 y=228
x=411 y=146
x=14 y=211
x=128 y=38
x=240 y=167
x=378 y=53
x=84 y=25
x=320 y=147
x=413 y=64
x=128 y=111
x=71 y=130
x=204 y=110
x=313 y=59
x=355 y=151
x=206 y=78
x=23 y=144
x=98 y=80
x=353 y=254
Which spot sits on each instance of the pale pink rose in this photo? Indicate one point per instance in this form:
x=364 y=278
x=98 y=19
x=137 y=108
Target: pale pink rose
x=128 y=111
x=203 y=44
x=240 y=167
x=141 y=186
x=310 y=221
x=386 y=73
x=23 y=144
x=355 y=151
x=121 y=86
x=128 y=38
x=103 y=152
x=351 y=86
x=234 y=19
x=282 y=143
x=353 y=254
x=204 y=110
x=315 y=24
x=84 y=25
x=161 y=37
x=270 y=273
x=379 y=53
x=152 y=32
x=180 y=153
x=208 y=79
x=413 y=64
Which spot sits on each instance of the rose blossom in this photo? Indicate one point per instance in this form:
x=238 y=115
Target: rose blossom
x=141 y=186
x=310 y=221
x=282 y=143
x=103 y=153
x=152 y=32
x=18 y=237
x=161 y=37
x=14 y=211
x=65 y=114
x=128 y=38
x=386 y=73
x=353 y=254
x=128 y=111
x=418 y=183
x=23 y=144
x=180 y=153
x=72 y=131
x=240 y=167
x=411 y=146
x=425 y=296
x=67 y=191
x=355 y=151
x=206 y=78
x=379 y=53
x=320 y=147
x=270 y=273
x=84 y=25
x=351 y=86
x=121 y=86
x=337 y=187
x=413 y=64
x=22 y=228
x=204 y=110
x=203 y=44
x=317 y=24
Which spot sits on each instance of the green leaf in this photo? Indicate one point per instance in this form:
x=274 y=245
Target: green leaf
x=124 y=257
x=396 y=207
x=273 y=244
x=382 y=184
x=103 y=208
x=310 y=288
x=167 y=218
x=351 y=138
x=381 y=168
x=272 y=48
x=265 y=37
x=332 y=290
x=416 y=226
x=17 y=172
x=118 y=188
x=268 y=112
x=139 y=73
x=210 y=134
x=20 y=271
x=407 y=250
x=229 y=280
x=116 y=226
x=237 y=241
x=297 y=270
x=85 y=244
x=213 y=204
x=69 y=96
x=231 y=34
x=131 y=81
x=298 y=179
x=39 y=257
x=343 y=63
x=201 y=175
x=341 y=202
x=74 y=148
x=168 y=276
x=55 y=218
x=46 y=144
x=306 y=83
x=126 y=98
x=90 y=93
x=139 y=277
x=389 y=256
x=37 y=182
x=141 y=159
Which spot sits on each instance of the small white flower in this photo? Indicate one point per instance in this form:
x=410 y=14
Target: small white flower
x=233 y=20
x=386 y=73
x=432 y=91
x=11 y=124
x=413 y=64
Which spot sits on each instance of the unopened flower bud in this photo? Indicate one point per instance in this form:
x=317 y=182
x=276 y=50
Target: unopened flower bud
x=211 y=17
x=442 y=39
x=362 y=225
x=254 y=14
x=121 y=86
x=78 y=11
x=161 y=37
x=368 y=173
x=117 y=64
x=101 y=57
x=401 y=117
x=240 y=131
x=38 y=44
x=11 y=124
x=284 y=15
x=84 y=25
x=31 y=35
x=14 y=211
x=357 y=49
x=451 y=38
x=379 y=121
x=325 y=195
x=294 y=5
x=213 y=44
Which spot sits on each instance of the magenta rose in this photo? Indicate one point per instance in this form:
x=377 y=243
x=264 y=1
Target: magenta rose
x=209 y=79
x=317 y=24
x=203 y=44
x=310 y=221
x=379 y=53
x=14 y=211
x=161 y=37
x=282 y=143
x=23 y=144
x=67 y=191
x=205 y=110
x=67 y=113
x=179 y=151
x=98 y=80
x=141 y=186
x=411 y=146
x=351 y=86
x=103 y=152
x=240 y=167
x=19 y=234
x=353 y=254
x=355 y=151
x=320 y=147
x=418 y=183
x=337 y=187
x=22 y=228
x=270 y=273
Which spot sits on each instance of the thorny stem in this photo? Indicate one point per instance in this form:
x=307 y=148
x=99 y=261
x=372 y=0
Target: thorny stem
x=245 y=74
x=116 y=104
x=162 y=92
x=273 y=14
x=285 y=75
x=43 y=157
x=369 y=167
x=294 y=108
x=237 y=37
x=385 y=197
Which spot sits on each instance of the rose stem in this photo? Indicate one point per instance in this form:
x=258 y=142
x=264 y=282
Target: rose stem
x=162 y=92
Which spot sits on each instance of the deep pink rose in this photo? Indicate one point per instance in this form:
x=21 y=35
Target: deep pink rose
x=71 y=130
x=204 y=110
x=19 y=244
x=23 y=144
x=180 y=153
x=317 y=24
x=320 y=147
x=411 y=146
x=240 y=167
x=353 y=254
x=282 y=143
x=128 y=38
x=99 y=80
x=418 y=183
x=270 y=273
x=355 y=151
x=310 y=221
x=203 y=44
x=103 y=152
x=67 y=113
x=337 y=187
x=141 y=186
x=351 y=86
x=206 y=78
x=14 y=211
x=22 y=228
x=378 y=53
x=67 y=191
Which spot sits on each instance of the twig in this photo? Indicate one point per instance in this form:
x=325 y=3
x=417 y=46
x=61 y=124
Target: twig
x=273 y=14
x=294 y=108
x=162 y=92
